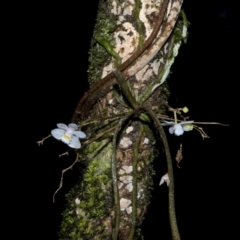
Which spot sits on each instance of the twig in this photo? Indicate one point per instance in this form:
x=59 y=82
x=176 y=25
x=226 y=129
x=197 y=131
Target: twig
x=97 y=136
x=213 y=123
x=201 y=131
x=63 y=154
x=41 y=141
x=63 y=171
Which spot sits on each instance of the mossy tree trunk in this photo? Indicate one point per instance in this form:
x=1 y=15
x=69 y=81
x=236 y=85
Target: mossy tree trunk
x=133 y=47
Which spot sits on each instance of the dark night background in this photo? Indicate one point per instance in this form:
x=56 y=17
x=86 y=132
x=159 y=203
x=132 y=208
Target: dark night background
x=55 y=41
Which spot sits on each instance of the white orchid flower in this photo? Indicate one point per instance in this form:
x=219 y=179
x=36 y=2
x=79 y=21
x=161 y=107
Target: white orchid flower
x=68 y=134
x=179 y=128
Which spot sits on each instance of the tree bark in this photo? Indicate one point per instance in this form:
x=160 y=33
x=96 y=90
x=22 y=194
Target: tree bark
x=133 y=47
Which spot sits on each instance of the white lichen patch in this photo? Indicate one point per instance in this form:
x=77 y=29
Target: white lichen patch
x=148 y=7
x=127 y=169
x=125 y=142
x=145 y=73
x=114 y=7
x=107 y=69
x=120 y=184
x=124 y=203
x=160 y=40
x=126 y=40
x=121 y=172
x=128 y=10
x=165 y=48
x=126 y=37
x=129 y=187
x=140 y=193
x=169 y=7
x=129 y=210
x=141 y=73
x=129 y=129
x=169 y=63
x=120 y=19
x=155 y=65
x=126 y=179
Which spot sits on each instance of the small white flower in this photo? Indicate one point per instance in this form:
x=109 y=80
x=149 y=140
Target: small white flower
x=165 y=178
x=68 y=134
x=179 y=128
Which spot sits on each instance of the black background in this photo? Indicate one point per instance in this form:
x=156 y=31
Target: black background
x=52 y=42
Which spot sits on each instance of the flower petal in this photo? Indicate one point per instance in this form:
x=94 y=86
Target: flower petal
x=166 y=123
x=171 y=129
x=62 y=126
x=188 y=127
x=186 y=122
x=57 y=133
x=74 y=143
x=73 y=126
x=178 y=130
x=79 y=134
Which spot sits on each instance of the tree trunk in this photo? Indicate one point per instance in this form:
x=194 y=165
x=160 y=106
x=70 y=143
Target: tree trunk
x=133 y=47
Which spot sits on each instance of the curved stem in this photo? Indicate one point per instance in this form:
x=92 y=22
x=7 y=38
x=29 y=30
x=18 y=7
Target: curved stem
x=123 y=66
x=124 y=87
x=134 y=182
x=172 y=213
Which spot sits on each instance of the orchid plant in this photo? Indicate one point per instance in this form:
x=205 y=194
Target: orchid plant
x=121 y=115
